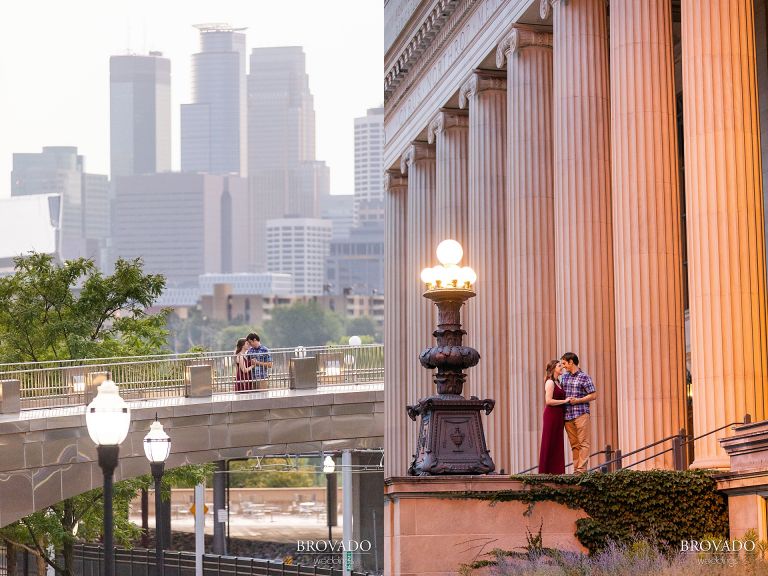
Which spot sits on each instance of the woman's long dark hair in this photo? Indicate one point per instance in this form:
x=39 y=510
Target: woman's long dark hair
x=240 y=344
x=550 y=370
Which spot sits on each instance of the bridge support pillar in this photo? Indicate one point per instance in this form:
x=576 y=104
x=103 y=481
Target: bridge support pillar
x=220 y=511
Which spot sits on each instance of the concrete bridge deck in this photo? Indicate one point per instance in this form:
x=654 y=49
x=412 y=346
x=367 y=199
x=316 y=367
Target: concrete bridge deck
x=46 y=455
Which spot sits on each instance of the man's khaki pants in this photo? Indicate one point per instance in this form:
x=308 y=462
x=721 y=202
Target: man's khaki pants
x=578 y=436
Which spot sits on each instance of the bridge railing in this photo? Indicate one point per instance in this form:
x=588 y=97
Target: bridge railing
x=64 y=383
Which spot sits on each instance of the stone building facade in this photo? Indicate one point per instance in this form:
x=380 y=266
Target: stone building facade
x=603 y=171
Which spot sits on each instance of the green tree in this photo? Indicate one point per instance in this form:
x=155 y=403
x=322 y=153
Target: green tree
x=82 y=518
x=194 y=331
x=363 y=326
x=245 y=474
x=303 y=324
x=51 y=311
x=57 y=311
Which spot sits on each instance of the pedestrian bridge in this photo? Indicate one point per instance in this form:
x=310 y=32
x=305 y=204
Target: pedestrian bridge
x=330 y=400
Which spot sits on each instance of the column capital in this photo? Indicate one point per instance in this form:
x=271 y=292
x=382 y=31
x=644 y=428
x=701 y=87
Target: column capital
x=415 y=152
x=446 y=119
x=394 y=180
x=519 y=38
x=545 y=7
x=480 y=81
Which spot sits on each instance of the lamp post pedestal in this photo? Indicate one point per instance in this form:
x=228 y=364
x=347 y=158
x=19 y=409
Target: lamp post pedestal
x=451 y=437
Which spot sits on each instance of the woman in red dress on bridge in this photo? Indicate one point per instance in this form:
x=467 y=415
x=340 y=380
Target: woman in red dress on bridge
x=243 y=380
x=552 y=453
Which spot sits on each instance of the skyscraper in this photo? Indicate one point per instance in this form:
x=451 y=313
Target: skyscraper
x=285 y=178
x=281 y=113
x=213 y=126
x=140 y=114
x=369 y=173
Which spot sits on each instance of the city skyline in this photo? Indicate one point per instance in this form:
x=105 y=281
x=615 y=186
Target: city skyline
x=76 y=71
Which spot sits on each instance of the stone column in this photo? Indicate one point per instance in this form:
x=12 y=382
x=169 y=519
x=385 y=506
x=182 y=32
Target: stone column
x=419 y=163
x=583 y=263
x=725 y=219
x=449 y=132
x=485 y=94
x=395 y=326
x=530 y=233
x=650 y=331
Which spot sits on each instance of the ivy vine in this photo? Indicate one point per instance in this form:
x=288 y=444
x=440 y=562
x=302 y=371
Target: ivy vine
x=660 y=505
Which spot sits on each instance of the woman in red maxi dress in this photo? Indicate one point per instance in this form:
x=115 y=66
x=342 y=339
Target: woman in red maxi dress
x=242 y=369
x=552 y=453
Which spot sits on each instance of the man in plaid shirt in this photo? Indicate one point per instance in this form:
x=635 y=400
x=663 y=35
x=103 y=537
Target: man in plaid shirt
x=578 y=386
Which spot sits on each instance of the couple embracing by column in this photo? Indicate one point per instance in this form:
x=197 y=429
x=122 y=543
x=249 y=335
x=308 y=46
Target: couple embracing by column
x=568 y=391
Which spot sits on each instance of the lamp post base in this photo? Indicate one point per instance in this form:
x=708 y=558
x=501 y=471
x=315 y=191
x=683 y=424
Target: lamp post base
x=451 y=437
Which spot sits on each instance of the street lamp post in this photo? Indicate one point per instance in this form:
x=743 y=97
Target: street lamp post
x=157 y=447
x=329 y=469
x=451 y=437
x=108 y=419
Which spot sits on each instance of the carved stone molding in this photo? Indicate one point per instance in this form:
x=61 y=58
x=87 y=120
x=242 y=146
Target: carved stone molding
x=518 y=39
x=480 y=81
x=545 y=7
x=394 y=181
x=416 y=152
x=421 y=39
x=446 y=119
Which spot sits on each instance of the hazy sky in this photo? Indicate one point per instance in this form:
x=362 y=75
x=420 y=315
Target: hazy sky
x=54 y=66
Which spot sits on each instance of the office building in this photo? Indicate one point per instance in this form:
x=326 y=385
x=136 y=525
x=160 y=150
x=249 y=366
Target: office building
x=369 y=171
x=140 y=114
x=181 y=225
x=213 y=126
x=299 y=247
x=82 y=209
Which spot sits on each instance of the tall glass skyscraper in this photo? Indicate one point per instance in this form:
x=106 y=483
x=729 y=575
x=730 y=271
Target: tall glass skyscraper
x=213 y=127
x=140 y=114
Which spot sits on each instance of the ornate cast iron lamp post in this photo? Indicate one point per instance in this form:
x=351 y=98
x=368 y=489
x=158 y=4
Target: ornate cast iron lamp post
x=451 y=438
x=108 y=419
x=157 y=447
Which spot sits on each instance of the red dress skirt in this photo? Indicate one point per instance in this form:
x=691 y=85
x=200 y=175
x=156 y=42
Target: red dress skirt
x=552 y=454
x=242 y=378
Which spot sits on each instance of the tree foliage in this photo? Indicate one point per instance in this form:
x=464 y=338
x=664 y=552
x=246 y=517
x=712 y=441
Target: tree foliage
x=302 y=324
x=52 y=311
x=363 y=326
x=58 y=311
x=245 y=474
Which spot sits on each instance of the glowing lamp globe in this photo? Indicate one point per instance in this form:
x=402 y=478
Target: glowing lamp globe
x=449 y=252
x=157 y=444
x=355 y=341
x=108 y=416
x=329 y=466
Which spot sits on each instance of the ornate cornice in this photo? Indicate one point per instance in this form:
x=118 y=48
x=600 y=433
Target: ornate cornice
x=416 y=152
x=518 y=39
x=480 y=81
x=394 y=180
x=446 y=119
x=418 y=43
